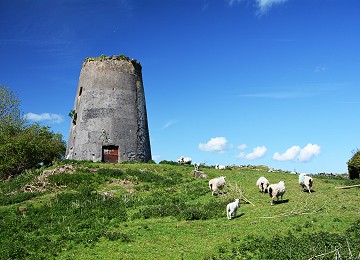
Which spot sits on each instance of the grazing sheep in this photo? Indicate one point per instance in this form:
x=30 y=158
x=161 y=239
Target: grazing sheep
x=198 y=174
x=262 y=183
x=184 y=160
x=217 y=184
x=220 y=167
x=196 y=166
x=305 y=182
x=276 y=190
x=232 y=208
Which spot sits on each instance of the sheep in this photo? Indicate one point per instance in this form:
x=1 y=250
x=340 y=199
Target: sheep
x=184 y=160
x=196 y=166
x=198 y=174
x=220 y=167
x=262 y=183
x=232 y=208
x=305 y=182
x=276 y=190
x=217 y=184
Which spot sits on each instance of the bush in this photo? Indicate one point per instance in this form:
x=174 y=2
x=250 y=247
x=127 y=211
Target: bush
x=22 y=145
x=151 y=162
x=354 y=165
x=168 y=162
x=28 y=147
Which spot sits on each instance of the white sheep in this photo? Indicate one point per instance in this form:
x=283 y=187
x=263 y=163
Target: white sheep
x=232 y=208
x=220 y=167
x=184 y=160
x=276 y=190
x=196 y=166
x=198 y=174
x=305 y=182
x=217 y=184
x=262 y=183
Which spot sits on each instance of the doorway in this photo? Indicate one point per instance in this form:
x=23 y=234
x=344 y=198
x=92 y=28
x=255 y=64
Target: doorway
x=110 y=154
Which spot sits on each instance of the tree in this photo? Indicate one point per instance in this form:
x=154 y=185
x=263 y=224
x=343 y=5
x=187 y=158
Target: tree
x=23 y=145
x=354 y=165
x=9 y=108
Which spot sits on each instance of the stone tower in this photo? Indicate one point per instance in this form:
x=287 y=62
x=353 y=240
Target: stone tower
x=109 y=120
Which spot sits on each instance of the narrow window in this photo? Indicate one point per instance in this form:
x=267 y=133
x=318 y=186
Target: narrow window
x=74 y=119
x=80 y=91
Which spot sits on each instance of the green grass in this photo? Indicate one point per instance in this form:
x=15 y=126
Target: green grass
x=158 y=211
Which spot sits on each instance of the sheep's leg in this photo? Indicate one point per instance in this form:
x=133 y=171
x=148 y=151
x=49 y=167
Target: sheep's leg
x=229 y=214
x=304 y=188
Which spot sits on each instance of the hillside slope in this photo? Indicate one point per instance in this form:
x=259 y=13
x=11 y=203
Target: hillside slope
x=88 y=210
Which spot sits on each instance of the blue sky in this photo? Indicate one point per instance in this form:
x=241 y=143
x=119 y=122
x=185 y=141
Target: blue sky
x=272 y=82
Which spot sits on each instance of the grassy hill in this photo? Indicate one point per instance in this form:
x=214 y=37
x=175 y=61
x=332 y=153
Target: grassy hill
x=83 y=210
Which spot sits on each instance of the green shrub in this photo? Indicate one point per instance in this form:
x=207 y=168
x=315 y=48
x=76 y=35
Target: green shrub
x=168 y=162
x=151 y=162
x=192 y=214
x=354 y=165
x=22 y=145
x=28 y=147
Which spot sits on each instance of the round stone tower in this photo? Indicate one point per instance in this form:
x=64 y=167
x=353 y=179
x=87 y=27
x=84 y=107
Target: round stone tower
x=109 y=120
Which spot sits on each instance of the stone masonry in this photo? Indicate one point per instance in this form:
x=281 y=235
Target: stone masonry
x=109 y=117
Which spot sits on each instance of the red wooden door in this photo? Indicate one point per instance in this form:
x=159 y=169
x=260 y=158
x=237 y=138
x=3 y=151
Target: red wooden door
x=110 y=154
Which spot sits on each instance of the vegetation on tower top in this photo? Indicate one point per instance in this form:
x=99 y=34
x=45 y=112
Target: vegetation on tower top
x=103 y=57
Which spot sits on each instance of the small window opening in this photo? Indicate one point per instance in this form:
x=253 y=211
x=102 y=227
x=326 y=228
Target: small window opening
x=74 y=119
x=80 y=91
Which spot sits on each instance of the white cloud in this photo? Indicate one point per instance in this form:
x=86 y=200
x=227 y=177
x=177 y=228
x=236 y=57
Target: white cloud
x=308 y=152
x=298 y=154
x=170 y=123
x=320 y=69
x=242 y=147
x=262 y=5
x=258 y=152
x=215 y=144
x=289 y=155
x=231 y=2
x=51 y=118
x=265 y=5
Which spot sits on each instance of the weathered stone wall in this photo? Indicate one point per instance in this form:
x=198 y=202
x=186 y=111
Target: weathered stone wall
x=110 y=110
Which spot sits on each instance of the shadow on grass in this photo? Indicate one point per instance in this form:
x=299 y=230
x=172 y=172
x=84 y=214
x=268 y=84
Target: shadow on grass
x=237 y=216
x=281 y=201
x=306 y=191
